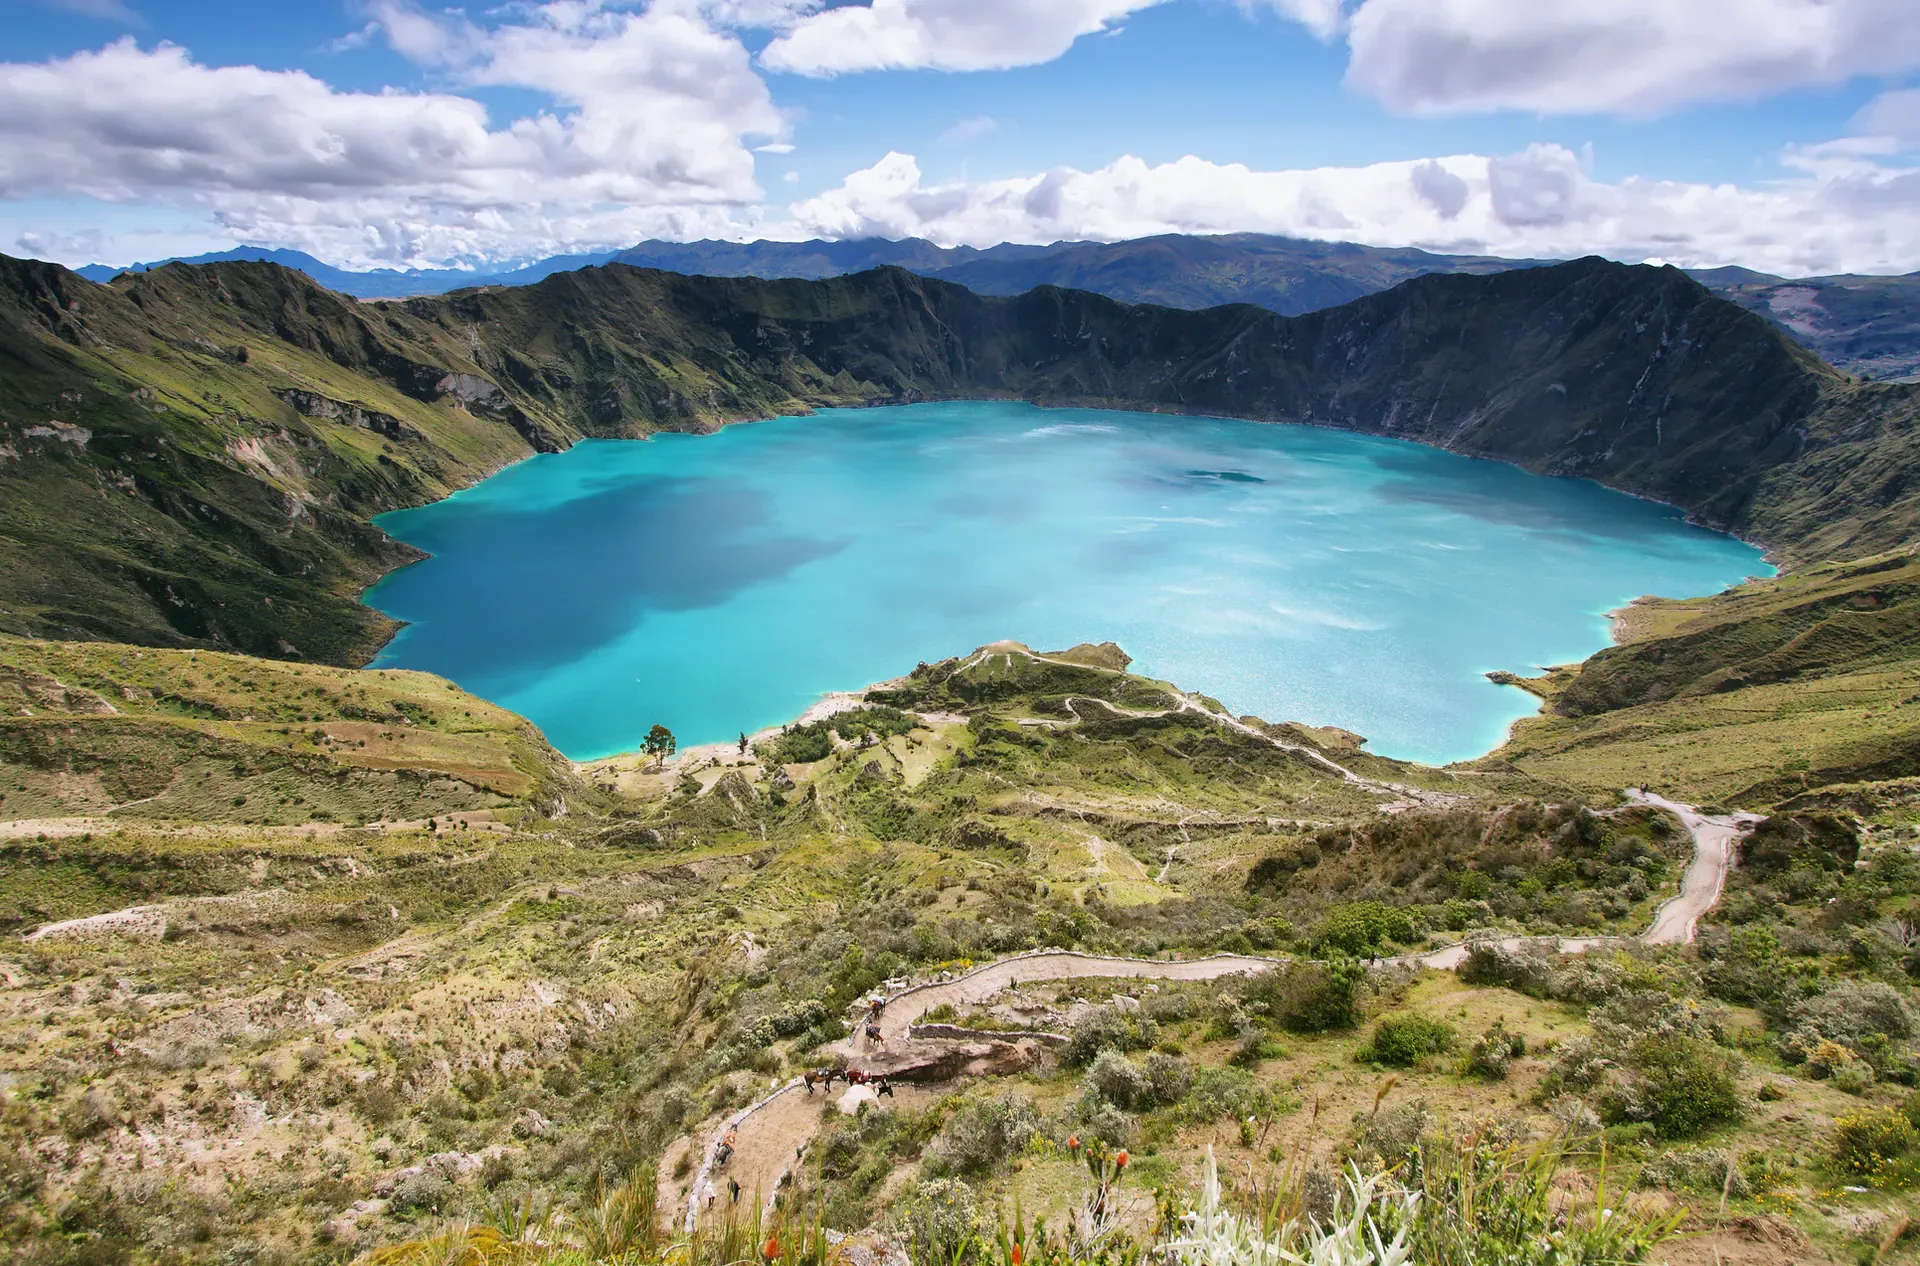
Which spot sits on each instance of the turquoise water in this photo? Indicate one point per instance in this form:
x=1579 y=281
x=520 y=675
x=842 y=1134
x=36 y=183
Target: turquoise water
x=722 y=583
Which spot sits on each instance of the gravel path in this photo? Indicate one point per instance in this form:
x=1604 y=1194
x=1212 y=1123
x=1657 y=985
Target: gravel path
x=771 y=1132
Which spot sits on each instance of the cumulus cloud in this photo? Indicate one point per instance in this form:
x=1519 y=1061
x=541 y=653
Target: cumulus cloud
x=1440 y=189
x=1637 y=57
x=649 y=135
x=940 y=34
x=1839 y=211
x=1324 y=18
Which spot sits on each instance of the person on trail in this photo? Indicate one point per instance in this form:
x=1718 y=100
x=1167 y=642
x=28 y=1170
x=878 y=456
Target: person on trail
x=733 y=1189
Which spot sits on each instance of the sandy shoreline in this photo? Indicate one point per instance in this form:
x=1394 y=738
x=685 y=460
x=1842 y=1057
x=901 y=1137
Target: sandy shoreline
x=707 y=755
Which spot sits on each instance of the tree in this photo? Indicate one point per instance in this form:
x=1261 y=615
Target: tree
x=743 y=743
x=659 y=743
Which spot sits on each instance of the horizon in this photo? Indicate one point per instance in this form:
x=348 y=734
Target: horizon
x=1777 y=135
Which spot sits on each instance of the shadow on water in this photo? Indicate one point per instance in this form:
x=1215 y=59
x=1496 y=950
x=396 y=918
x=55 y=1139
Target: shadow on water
x=1511 y=497
x=497 y=578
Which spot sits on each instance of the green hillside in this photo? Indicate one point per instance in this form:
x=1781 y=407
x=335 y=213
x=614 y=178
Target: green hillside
x=309 y=964
x=190 y=455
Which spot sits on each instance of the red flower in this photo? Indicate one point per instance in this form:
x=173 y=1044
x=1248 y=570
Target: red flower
x=1121 y=1159
x=1016 y=1255
x=771 y=1249
x=1073 y=1142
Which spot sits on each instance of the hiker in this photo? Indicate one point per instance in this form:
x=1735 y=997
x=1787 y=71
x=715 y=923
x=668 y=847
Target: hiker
x=733 y=1188
x=724 y=1153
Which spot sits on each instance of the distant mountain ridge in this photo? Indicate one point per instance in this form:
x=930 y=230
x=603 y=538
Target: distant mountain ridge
x=1290 y=276
x=1868 y=326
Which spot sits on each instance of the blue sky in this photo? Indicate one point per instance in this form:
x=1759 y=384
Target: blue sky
x=1775 y=133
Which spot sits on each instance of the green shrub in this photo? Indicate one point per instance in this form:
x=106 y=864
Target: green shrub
x=1107 y=1029
x=1494 y=1051
x=1403 y=1039
x=1224 y=1092
x=937 y=1221
x=983 y=1135
x=1118 y=1080
x=1524 y=968
x=1311 y=997
x=1866 y=1142
x=1681 y=1086
x=1360 y=928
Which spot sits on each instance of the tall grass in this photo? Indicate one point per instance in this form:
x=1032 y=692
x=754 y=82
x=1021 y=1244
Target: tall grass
x=1453 y=1202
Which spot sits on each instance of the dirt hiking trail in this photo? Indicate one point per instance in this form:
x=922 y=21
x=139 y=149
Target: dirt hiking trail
x=773 y=1133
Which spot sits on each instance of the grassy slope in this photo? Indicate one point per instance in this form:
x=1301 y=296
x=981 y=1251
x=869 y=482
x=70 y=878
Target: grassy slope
x=94 y=728
x=331 y=1007
x=1748 y=697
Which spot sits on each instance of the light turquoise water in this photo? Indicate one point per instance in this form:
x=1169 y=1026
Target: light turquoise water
x=722 y=583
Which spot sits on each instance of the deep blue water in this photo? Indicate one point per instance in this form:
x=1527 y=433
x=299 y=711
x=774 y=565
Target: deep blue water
x=721 y=583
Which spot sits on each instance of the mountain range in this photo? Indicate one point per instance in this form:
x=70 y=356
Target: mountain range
x=190 y=456
x=1869 y=326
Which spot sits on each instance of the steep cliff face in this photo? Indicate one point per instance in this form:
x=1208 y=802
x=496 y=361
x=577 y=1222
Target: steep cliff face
x=189 y=456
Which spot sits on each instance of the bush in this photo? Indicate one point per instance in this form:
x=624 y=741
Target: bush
x=1866 y=1017
x=1404 y=1039
x=1525 y=968
x=1394 y=1133
x=1361 y=928
x=1096 y=1118
x=1711 y=1170
x=1681 y=1086
x=1169 y=1078
x=1118 y=1080
x=1819 y=841
x=937 y=1220
x=1867 y=1141
x=983 y=1135
x=1494 y=1051
x=1311 y=997
x=1225 y=1092
x=1107 y=1029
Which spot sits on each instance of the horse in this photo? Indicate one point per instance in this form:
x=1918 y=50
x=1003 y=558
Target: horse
x=882 y=1088
x=858 y=1076
x=822 y=1077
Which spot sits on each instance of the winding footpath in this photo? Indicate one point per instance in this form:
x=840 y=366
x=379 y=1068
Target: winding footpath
x=1404 y=795
x=773 y=1133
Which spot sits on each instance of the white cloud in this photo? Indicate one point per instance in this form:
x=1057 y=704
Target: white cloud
x=940 y=34
x=1325 y=18
x=1635 y=57
x=1440 y=189
x=649 y=137
x=106 y=10
x=1893 y=115
x=1839 y=211
x=971 y=128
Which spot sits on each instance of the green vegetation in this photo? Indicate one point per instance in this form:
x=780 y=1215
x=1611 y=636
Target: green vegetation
x=306 y=961
x=1403 y=1039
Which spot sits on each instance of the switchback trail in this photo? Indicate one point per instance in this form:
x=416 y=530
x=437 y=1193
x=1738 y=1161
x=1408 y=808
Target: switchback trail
x=773 y=1131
